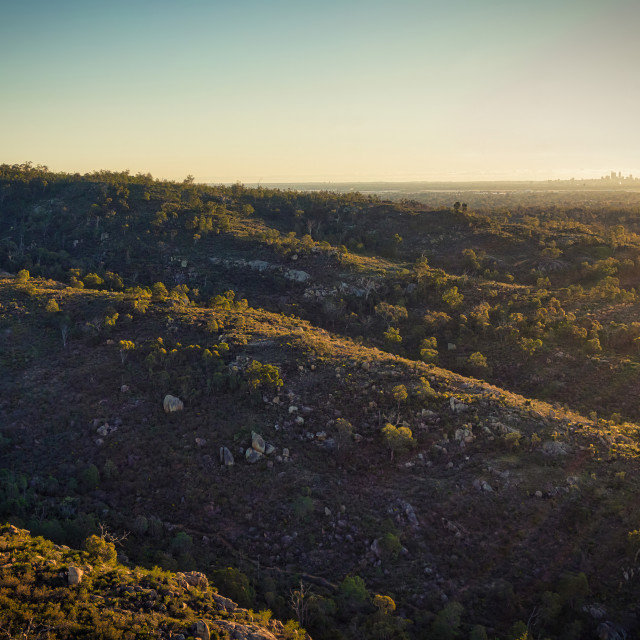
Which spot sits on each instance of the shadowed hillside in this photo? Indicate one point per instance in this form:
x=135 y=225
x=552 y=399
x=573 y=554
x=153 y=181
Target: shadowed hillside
x=420 y=422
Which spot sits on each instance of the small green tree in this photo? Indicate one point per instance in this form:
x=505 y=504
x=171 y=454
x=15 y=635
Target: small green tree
x=478 y=362
x=398 y=439
x=392 y=338
x=400 y=395
x=385 y=604
x=352 y=593
x=390 y=545
x=23 y=276
x=100 y=550
x=93 y=281
x=235 y=585
x=345 y=431
x=159 y=292
x=452 y=298
x=90 y=478
x=262 y=375
x=181 y=543
x=447 y=622
x=125 y=347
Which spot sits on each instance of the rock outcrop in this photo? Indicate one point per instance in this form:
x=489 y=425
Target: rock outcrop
x=171 y=404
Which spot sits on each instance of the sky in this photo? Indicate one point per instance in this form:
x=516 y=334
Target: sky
x=331 y=90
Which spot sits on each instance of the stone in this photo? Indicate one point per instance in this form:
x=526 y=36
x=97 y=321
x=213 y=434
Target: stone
x=555 y=448
x=611 y=631
x=201 y=442
x=269 y=449
x=285 y=453
x=226 y=457
x=252 y=456
x=171 y=404
x=124 y=388
x=377 y=549
x=411 y=514
x=257 y=442
x=195 y=579
x=296 y=275
x=239 y=631
x=202 y=630
x=74 y=575
x=596 y=611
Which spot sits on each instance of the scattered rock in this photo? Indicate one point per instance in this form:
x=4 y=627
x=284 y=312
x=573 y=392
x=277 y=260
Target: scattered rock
x=201 y=442
x=377 y=549
x=596 y=611
x=611 y=631
x=195 y=579
x=457 y=406
x=124 y=388
x=202 y=630
x=223 y=603
x=269 y=449
x=464 y=434
x=252 y=456
x=74 y=575
x=171 y=404
x=240 y=631
x=556 y=448
x=296 y=276
x=411 y=514
x=257 y=442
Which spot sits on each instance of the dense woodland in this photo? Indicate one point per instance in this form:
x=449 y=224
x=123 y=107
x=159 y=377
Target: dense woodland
x=446 y=388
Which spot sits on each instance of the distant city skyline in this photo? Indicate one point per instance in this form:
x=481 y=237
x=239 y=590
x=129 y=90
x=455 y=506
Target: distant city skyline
x=363 y=90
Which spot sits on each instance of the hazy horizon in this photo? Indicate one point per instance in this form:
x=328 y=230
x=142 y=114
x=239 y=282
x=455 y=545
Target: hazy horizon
x=288 y=92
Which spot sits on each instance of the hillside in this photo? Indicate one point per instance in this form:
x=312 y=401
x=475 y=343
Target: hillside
x=53 y=591
x=430 y=413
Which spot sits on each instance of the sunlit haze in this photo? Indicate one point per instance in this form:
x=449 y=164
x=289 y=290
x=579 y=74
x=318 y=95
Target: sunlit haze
x=336 y=90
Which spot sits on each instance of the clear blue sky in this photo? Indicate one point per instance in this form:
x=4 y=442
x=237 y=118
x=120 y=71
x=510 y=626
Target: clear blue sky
x=322 y=90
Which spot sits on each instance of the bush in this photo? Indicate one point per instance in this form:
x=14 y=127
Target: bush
x=100 y=550
x=234 y=584
x=397 y=438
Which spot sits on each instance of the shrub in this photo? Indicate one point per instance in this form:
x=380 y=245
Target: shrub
x=90 y=478
x=262 y=375
x=397 y=438
x=100 y=550
x=452 y=298
x=235 y=585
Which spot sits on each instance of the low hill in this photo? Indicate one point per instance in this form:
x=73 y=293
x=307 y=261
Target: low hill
x=52 y=591
x=381 y=419
x=470 y=497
